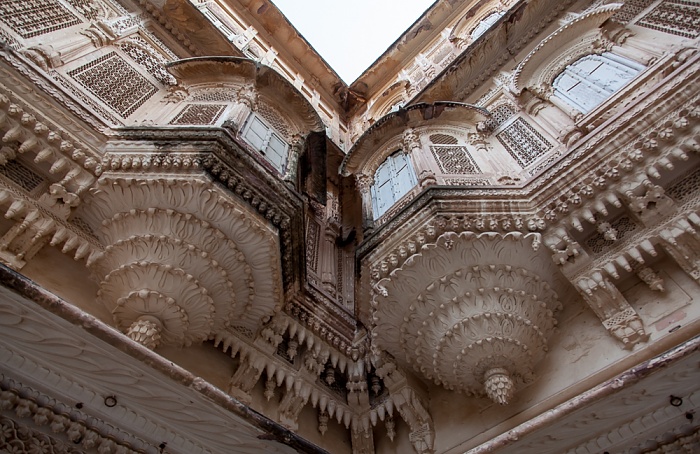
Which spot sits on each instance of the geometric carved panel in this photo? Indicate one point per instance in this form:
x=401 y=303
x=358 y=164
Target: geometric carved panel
x=500 y=114
x=30 y=18
x=524 y=143
x=198 y=114
x=145 y=55
x=115 y=82
x=21 y=175
x=454 y=159
x=630 y=10
x=622 y=225
x=686 y=187
x=676 y=17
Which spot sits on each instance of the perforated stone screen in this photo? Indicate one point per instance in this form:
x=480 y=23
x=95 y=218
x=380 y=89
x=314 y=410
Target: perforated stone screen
x=22 y=176
x=199 y=114
x=115 y=82
x=523 y=142
x=30 y=18
x=676 y=17
x=454 y=159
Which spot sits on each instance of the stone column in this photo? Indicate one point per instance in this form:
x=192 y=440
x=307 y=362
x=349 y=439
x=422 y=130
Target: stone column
x=411 y=144
x=364 y=185
x=245 y=103
x=295 y=150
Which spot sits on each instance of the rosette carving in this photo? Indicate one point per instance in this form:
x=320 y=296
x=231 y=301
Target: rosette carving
x=472 y=312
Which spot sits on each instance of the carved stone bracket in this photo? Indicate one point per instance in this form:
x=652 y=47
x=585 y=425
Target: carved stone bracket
x=617 y=316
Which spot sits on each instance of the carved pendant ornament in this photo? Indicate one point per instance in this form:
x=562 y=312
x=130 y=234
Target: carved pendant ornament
x=471 y=312
x=183 y=262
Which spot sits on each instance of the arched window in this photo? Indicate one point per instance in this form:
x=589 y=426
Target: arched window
x=590 y=80
x=393 y=179
x=485 y=24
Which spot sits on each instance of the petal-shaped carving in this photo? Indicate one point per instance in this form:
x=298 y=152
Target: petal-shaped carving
x=171 y=282
x=466 y=305
x=229 y=250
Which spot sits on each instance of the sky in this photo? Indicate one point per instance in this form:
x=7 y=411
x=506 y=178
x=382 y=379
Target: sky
x=351 y=34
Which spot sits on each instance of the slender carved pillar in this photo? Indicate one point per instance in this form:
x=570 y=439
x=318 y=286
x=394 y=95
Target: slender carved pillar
x=553 y=118
x=411 y=143
x=245 y=103
x=295 y=150
x=364 y=184
x=556 y=113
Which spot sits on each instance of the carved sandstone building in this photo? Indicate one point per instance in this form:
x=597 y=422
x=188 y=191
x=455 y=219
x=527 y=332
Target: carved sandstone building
x=489 y=242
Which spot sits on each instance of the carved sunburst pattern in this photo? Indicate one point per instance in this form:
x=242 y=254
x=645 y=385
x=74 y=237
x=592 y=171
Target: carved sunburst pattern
x=185 y=257
x=472 y=312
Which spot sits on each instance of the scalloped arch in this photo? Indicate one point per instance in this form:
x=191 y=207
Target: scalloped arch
x=568 y=42
x=215 y=72
x=372 y=147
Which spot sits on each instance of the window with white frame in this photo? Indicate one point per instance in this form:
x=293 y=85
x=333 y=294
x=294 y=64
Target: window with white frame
x=266 y=140
x=590 y=80
x=393 y=179
x=485 y=24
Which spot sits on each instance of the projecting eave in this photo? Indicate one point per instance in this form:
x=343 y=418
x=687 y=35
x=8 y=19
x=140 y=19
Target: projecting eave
x=190 y=27
x=487 y=54
x=406 y=47
x=238 y=71
x=395 y=123
x=291 y=46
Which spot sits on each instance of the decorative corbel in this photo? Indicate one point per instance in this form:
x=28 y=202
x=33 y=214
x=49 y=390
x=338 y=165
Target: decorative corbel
x=44 y=56
x=648 y=202
x=616 y=314
x=100 y=33
x=245 y=378
x=410 y=406
x=289 y=408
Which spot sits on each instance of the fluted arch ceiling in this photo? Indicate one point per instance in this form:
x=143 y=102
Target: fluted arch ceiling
x=210 y=71
x=394 y=123
x=552 y=47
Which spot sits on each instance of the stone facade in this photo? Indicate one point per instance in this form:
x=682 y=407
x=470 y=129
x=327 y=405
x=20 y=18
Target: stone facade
x=487 y=243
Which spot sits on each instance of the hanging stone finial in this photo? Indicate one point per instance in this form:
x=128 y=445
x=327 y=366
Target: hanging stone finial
x=498 y=385
x=146 y=331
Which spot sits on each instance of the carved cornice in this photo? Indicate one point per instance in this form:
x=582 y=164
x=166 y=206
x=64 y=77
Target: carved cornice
x=480 y=60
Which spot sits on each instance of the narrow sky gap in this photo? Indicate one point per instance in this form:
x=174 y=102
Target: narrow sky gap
x=350 y=36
